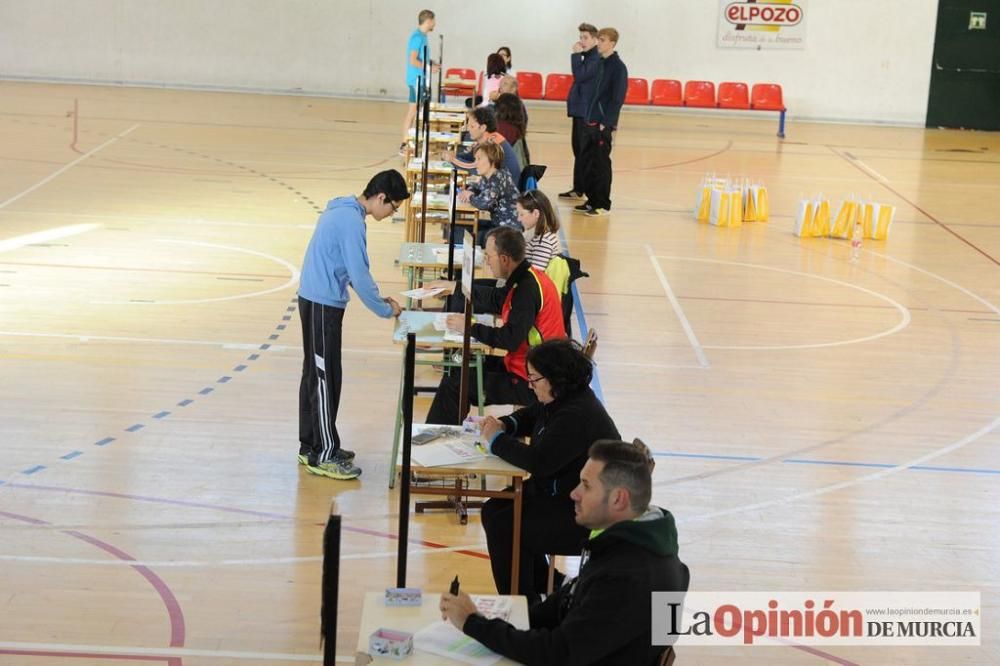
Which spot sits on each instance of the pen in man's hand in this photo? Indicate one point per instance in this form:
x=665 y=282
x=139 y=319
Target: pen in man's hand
x=453 y=590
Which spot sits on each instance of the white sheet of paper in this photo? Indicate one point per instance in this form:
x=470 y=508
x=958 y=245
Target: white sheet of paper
x=446 y=452
x=422 y=292
x=442 y=638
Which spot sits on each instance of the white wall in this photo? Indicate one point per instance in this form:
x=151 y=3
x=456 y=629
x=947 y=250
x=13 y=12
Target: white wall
x=864 y=61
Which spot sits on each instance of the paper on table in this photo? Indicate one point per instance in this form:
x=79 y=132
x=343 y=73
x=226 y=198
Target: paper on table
x=422 y=292
x=442 y=638
x=441 y=454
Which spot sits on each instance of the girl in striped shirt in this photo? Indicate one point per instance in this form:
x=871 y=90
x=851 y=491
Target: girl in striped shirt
x=535 y=212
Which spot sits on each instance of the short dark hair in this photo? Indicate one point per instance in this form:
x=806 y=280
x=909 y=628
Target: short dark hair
x=564 y=364
x=484 y=115
x=424 y=15
x=588 y=27
x=627 y=465
x=509 y=241
x=510 y=109
x=390 y=183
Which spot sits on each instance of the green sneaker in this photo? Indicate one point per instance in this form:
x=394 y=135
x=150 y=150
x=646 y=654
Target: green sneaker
x=342 y=471
x=303 y=459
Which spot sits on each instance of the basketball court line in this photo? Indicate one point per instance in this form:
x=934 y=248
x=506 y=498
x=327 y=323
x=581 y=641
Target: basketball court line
x=55 y=174
x=45 y=236
x=699 y=350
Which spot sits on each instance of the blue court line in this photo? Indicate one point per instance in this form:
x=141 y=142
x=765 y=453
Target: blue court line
x=581 y=321
x=105 y=441
x=290 y=309
x=71 y=455
x=830 y=463
x=161 y=415
x=134 y=428
x=282 y=327
x=253 y=357
x=185 y=402
x=206 y=390
x=265 y=347
x=287 y=318
x=32 y=470
x=240 y=368
x=224 y=380
x=273 y=337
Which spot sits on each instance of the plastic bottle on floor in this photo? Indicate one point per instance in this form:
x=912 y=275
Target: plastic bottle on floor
x=856 y=236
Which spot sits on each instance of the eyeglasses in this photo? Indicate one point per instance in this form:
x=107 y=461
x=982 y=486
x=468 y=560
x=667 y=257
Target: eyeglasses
x=393 y=205
x=534 y=380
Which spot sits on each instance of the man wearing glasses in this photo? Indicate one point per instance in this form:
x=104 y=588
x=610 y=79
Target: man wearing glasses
x=528 y=304
x=337 y=256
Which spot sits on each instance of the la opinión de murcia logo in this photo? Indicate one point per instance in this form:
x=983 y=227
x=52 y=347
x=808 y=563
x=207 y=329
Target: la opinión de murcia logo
x=763 y=13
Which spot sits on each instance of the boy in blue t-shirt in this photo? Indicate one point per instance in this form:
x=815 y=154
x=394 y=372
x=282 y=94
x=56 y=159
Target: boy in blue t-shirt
x=415 y=66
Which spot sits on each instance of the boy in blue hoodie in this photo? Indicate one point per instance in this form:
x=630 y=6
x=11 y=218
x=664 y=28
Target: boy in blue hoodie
x=337 y=256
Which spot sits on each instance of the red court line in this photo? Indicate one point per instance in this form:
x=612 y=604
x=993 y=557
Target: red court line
x=177 y=629
x=930 y=217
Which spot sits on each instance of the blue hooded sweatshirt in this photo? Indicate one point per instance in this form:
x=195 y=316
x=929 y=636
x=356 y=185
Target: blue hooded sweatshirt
x=337 y=256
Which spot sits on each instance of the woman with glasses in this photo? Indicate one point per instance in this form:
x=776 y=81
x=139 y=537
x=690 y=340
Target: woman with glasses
x=540 y=222
x=565 y=421
x=495 y=192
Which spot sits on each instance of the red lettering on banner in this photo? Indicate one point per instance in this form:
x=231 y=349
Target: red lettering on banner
x=762 y=13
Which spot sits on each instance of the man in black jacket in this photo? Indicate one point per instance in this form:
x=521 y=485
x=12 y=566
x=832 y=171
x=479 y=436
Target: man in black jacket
x=601 y=122
x=604 y=615
x=583 y=63
x=530 y=308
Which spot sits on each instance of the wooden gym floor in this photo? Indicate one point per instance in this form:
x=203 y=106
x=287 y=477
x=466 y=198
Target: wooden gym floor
x=819 y=425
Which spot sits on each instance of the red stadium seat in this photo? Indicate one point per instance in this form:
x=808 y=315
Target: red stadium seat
x=638 y=91
x=557 y=86
x=529 y=85
x=734 y=95
x=667 y=92
x=699 y=93
x=459 y=73
x=766 y=97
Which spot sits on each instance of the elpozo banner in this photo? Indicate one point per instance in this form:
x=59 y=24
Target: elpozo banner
x=778 y=24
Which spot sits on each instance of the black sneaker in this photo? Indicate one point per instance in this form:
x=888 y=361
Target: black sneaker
x=342 y=455
x=583 y=208
x=570 y=194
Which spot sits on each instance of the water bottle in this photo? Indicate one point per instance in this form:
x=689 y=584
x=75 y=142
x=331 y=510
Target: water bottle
x=856 y=236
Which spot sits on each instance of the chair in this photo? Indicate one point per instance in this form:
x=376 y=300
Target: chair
x=590 y=344
x=637 y=92
x=766 y=97
x=529 y=85
x=557 y=86
x=468 y=75
x=699 y=94
x=734 y=95
x=667 y=92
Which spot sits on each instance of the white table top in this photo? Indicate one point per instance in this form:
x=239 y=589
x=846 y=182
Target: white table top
x=375 y=614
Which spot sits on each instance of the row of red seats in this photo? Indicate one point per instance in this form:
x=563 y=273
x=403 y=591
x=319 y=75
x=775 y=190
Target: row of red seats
x=664 y=92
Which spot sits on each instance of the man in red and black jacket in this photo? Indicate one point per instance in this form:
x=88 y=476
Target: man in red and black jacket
x=529 y=306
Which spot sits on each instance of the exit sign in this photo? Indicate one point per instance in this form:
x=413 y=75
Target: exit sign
x=977 y=20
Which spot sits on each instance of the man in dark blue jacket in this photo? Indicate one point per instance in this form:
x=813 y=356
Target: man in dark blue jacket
x=603 y=107
x=583 y=64
x=603 y=617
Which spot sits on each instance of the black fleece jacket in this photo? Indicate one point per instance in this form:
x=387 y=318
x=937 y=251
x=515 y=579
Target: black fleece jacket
x=561 y=434
x=604 y=616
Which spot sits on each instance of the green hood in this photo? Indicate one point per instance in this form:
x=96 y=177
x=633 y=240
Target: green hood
x=654 y=530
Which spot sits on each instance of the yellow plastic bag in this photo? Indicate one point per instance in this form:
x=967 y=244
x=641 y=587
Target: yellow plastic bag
x=804 y=219
x=735 y=208
x=749 y=204
x=763 y=207
x=703 y=203
x=865 y=215
x=821 y=218
x=882 y=219
x=844 y=220
x=720 y=209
